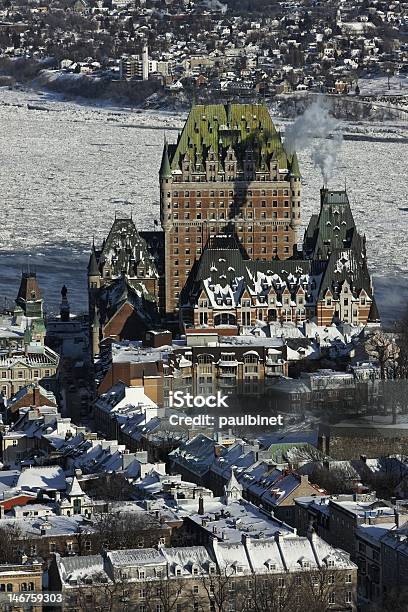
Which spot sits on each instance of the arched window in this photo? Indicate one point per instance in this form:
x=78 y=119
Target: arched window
x=9 y=587
x=252 y=358
x=205 y=358
x=23 y=586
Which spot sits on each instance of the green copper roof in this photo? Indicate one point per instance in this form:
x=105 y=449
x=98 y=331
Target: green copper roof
x=295 y=166
x=165 y=170
x=218 y=126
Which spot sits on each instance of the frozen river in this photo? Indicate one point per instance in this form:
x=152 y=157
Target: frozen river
x=66 y=168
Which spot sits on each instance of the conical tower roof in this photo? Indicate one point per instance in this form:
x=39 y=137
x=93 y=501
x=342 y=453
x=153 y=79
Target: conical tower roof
x=93 y=269
x=165 y=170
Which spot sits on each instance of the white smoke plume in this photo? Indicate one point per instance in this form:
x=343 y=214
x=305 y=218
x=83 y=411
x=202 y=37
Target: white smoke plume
x=308 y=131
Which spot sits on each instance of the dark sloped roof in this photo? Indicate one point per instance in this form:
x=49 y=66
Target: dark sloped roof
x=334 y=228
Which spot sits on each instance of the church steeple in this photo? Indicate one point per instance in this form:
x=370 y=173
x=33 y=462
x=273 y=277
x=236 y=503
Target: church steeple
x=233 y=489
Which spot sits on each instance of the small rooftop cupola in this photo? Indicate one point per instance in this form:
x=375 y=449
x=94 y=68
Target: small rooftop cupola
x=64 y=307
x=232 y=490
x=74 y=489
x=29 y=296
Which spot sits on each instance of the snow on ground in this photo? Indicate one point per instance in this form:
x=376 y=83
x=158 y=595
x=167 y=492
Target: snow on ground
x=397 y=85
x=67 y=167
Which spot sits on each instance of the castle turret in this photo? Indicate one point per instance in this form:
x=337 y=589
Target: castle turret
x=64 y=307
x=29 y=298
x=94 y=279
x=95 y=333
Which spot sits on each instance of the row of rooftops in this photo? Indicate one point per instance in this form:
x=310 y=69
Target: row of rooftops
x=284 y=553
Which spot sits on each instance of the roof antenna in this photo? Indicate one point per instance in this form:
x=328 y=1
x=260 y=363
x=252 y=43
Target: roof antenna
x=345 y=184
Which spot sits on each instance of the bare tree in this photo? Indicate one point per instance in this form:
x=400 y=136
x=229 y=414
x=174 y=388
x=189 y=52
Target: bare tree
x=11 y=545
x=384 y=349
x=100 y=592
x=122 y=530
x=271 y=593
x=164 y=592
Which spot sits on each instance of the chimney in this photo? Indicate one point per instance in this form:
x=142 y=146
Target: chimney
x=323 y=193
x=201 y=505
x=245 y=540
x=363 y=458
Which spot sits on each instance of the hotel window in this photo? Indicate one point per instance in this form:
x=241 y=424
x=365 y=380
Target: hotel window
x=19 y=374
x=4 y=374
x=187 y=262
x=187 y=194
x=286 y=250
x=332 y=598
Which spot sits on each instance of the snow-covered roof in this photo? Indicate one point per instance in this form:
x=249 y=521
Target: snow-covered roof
x=46 y=478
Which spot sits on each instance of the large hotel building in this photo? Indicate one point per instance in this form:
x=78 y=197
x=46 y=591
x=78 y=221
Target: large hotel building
x=228 y=173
